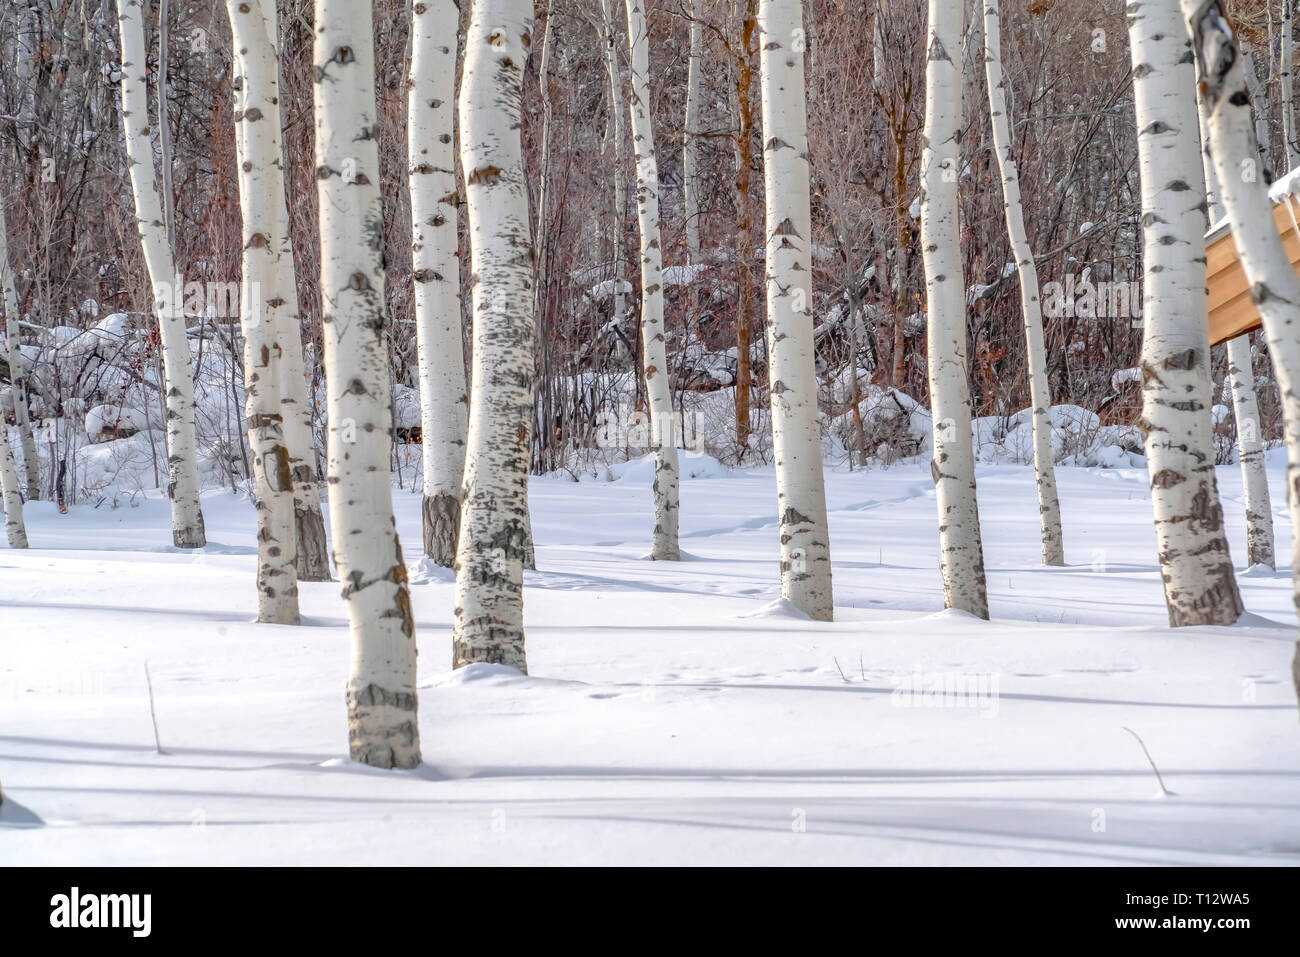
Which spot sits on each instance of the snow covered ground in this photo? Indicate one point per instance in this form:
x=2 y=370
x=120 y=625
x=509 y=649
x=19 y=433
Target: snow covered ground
x=675 y=713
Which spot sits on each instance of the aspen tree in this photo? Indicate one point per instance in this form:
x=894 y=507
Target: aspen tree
x=257 y=114
x=17 y=366
x=1240 y=381
x=691 y=134
x=796 y=429
x=1250 y=449
x=11 y=491
x=1260 y=100
x=312 y=552
x=961 y=553
x=381 y=692
x=494 y=534
x=444 y=402
x=653 y=339
x=1274 y=286
x=1200 y=587
x=1040 y=392
x=182 y=462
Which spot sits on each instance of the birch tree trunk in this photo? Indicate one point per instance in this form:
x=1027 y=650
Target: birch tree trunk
x=961 y=552
x=1040 y=392
x=1275 y=288
x=164 y=130
x=494 y=518
x=1250 y=449
x=312 y=553
x=1260 y=100
x=878 y=43
x=690 y=135
x=182 y=462
x=257 y=113
x=1200 y=588
x=1241 y=386
x=444 y=402
x=382 y=720
x=654 y=350
x=17 y=365
x=27 y=41
x=11 y=490
x=796 y=428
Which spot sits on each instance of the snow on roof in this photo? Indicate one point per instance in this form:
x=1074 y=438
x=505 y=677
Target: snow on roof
x=1283 y=187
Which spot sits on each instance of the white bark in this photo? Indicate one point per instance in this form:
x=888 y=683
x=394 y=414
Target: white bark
x=1250 y=449
x=1049 y=506
x=257 y=115
x=1260 y=100
x=381 y=695
x=494 y=518
x=17 y=365
x=1241 y=385
x=653 y=340
x=444 y=402
x=1275 y=288
x=544 y=159
x=953 y=467
x=796 y=429
x=690 y=135
x=164 y=129
x=878 y=44
x=1200 y=588
x=182 y=462
x=26 y=43
x=11 y=490
x=312 y=553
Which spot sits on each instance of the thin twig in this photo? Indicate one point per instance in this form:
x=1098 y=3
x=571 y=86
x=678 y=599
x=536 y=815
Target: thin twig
x=841 y=671
x=152 y=713
x=1163 y=789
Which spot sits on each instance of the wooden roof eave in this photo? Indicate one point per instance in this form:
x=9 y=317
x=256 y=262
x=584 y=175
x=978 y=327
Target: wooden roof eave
x=1232 y=311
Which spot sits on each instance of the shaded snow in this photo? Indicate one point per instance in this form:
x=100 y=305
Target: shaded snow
x=675 y=713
